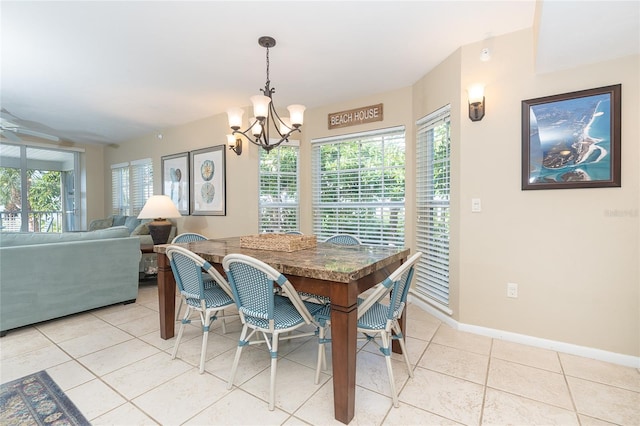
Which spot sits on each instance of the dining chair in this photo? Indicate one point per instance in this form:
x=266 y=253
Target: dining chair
x=344 y=239
x=207 y=301
x=379 y=317
x=189 y=237
x=294 y=233
x=269 y=306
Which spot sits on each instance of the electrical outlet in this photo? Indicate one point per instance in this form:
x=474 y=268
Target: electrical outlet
x=512 y=290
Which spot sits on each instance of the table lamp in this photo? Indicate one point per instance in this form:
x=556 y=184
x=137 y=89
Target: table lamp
x=159 y=208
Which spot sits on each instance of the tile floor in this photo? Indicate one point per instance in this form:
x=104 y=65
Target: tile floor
x=113 y=365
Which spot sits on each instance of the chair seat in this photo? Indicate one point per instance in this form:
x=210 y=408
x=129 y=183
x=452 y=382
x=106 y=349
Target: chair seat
x=375 y=318
x=285 y=314
x=214 y=296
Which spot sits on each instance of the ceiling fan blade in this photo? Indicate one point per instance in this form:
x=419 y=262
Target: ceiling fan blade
x=10 y=135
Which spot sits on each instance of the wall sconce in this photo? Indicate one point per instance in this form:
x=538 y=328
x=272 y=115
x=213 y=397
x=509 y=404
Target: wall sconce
x=235 y=144
x=476 y=102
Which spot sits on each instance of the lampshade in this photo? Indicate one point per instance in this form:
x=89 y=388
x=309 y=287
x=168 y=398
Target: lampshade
x=297 y=114
x=159 y=206
x=260 y=105
x=476 y=93
x=235 y=117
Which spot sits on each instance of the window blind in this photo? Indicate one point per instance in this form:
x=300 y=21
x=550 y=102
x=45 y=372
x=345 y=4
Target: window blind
x=279 y=203
x=131 y=186
x=120 y=189
x=358 y=184
x=433 y=185
x=141 y=185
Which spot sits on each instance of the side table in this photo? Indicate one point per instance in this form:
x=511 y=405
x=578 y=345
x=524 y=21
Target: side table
x=147 y=275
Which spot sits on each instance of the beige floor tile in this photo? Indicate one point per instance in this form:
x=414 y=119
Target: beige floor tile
x=294 y=385
x=501 y=408
x=604 y=402
x=590 y=421
x=154 y=339
x=94 y=399
x=456 y=362
x=142 y=326
x=307 y=355
x=370 y=407
x=423 y=330
x=415 y=350
x=21 y=341
x=70 y=327
x=70 y=374
x=602 y=372
x=118 y=356
x=417 y=313
x=527 y=355
x=190 y=350
x=294 y=421
x=534 y=383
x=372 y=373
x=126 y=414
x=103 y=337
x=252 y=362
x=120 y=314
x=407 y=414
x=239 y=408
x=445 y=396
x=31 y=362
x=447 y=336
x=179 y=399
x=141 y=376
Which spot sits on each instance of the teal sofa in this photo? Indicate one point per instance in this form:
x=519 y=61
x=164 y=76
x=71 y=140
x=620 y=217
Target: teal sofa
x=137 y=228
x=50 y=275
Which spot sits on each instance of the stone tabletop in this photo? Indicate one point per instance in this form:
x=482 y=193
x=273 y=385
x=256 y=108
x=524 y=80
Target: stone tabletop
x=325 y=262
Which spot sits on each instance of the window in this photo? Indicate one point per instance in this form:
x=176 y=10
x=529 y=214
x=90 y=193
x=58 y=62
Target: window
x=279 y=199
x=358 y=186
x=37 y=188
x=131 y=186
x=432 y=203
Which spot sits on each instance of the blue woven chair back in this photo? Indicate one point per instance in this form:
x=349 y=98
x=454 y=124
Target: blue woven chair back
x=188 y=275
x=343 y=239
x=188 y=237
x=253 y=291
x=294 y=232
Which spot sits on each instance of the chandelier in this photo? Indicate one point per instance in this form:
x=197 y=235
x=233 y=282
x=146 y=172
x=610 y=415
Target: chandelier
x=265 y=115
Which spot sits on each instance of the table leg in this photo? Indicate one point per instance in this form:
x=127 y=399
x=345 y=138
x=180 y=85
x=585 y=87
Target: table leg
x=395 y=345
x=166 y=297
x=344 y=322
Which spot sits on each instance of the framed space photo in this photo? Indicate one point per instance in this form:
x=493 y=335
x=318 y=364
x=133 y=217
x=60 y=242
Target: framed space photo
x=175 y=180
x=572 y=140
x=208 y=181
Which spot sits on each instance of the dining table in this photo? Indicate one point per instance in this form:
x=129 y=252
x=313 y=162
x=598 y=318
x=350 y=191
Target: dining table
x=338 y=272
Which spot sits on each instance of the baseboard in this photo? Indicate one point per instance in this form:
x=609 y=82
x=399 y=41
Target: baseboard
x=569 y=348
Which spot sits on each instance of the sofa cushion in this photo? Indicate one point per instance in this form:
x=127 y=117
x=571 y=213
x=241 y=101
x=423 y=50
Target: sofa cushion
x=100 y=224
x=132 y=223
x=142 y=229
x=118 y=220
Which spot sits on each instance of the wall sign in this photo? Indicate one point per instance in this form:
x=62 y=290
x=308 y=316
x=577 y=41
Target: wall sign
x=356 y=116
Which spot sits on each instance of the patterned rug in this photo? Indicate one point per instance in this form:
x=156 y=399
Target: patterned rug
x=37 y=400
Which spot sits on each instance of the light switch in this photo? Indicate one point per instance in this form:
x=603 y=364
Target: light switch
x=476 y=205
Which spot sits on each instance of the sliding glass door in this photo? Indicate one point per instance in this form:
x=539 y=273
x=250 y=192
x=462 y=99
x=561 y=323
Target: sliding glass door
x=38 y=189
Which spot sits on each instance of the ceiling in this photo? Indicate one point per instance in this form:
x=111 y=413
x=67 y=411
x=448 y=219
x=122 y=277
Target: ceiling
x=107 y=72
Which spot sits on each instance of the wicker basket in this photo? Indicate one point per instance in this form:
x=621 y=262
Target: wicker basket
x=278 y=242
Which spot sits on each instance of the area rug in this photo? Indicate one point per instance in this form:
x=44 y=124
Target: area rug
x=37 y=400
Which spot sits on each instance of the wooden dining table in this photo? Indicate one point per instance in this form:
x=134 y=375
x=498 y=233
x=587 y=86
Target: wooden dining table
x=338 y=272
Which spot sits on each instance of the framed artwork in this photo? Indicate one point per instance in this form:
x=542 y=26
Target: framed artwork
x=175 y=180
x=208 y=181
x=572 y=140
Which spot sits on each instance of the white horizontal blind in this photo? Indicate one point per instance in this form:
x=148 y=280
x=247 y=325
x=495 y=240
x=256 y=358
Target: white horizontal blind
x=120 y=189
x=141 y=184
x=432 y=203
x=131 y=186
x=359 y=186
x=279 y=203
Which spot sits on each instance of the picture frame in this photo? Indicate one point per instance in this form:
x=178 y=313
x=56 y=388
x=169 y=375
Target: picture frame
x=572 y=140
x=208 y=181
x=175 y=180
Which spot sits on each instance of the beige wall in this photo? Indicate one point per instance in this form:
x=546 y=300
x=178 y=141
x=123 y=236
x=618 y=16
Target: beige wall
x=576 y=265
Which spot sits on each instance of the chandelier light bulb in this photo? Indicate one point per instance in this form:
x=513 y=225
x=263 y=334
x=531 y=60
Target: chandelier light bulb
x=235 y=117
x=260 y=106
